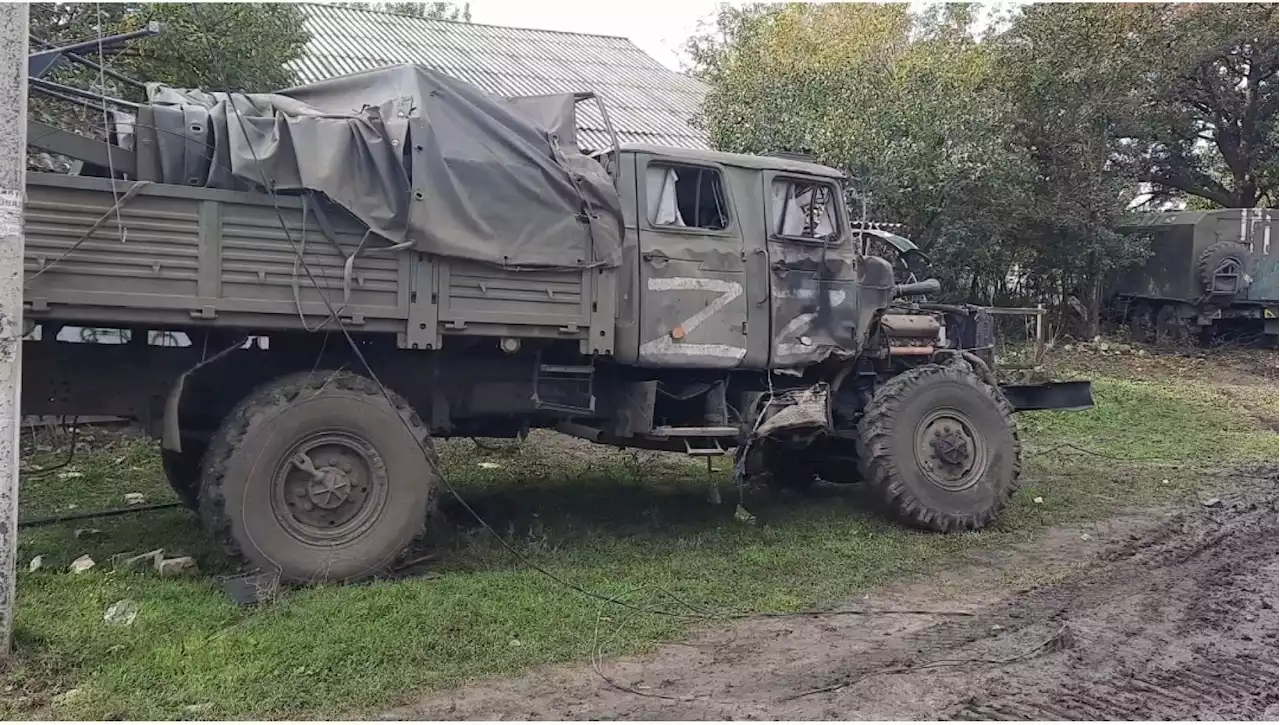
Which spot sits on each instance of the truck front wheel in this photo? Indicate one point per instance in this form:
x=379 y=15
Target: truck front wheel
x=939 y=446
x=319 y=477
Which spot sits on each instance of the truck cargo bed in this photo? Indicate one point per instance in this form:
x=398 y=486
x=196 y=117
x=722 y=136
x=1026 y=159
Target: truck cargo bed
x=179 y=257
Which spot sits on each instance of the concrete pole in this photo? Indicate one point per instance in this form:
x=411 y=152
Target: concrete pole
x=13 y=185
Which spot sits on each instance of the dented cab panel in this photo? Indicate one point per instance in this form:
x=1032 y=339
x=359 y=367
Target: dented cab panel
x=692 y=279
x=728 y=267
x=812 y=273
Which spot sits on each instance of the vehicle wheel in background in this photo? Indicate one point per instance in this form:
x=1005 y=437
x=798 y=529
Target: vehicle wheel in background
x=1172 y=329
x=1142 y=323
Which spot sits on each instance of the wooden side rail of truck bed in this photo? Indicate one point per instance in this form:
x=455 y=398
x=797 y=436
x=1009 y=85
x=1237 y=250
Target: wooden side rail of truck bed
x=181 y=256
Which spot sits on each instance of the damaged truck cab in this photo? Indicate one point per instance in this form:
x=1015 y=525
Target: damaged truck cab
x=749 y=319
x=734 y=262
x=693 y=301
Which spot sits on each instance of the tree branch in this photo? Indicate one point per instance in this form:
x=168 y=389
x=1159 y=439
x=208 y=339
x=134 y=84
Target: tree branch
x=1194 y=182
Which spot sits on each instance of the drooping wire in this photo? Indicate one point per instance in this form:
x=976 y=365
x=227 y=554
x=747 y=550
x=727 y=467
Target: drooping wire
x=106 y=121
x=71 y=451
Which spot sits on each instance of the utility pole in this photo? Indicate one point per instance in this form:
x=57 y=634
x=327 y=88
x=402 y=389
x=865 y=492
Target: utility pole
x=13 y=186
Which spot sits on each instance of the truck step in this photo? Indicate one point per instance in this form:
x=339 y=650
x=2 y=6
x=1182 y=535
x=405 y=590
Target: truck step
x=696 y=431
x=700 y=440
x=706 y=447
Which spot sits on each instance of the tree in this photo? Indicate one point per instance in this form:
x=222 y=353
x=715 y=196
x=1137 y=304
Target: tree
x=241 y=46
x=907 y=105
x=1198 y=83
x=245 y=46
x=1000 y=154
x=1213 y=80
x=1067 y=72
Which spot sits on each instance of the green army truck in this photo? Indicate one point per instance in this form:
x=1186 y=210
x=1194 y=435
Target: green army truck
x=365 y=265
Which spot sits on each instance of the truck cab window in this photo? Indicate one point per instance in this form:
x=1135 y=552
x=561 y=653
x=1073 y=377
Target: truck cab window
x=804 y=210
x=685 y=196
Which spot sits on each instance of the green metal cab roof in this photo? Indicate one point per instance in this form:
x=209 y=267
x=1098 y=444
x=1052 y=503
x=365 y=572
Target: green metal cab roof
x=1156 y=219
x=744 y=161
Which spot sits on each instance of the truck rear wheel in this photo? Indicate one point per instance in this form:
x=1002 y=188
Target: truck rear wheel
x=1172 y=328
x=1142 y=323
x=319 y=476
x=939 y=446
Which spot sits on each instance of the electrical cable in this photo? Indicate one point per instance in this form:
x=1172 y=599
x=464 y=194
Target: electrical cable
x=62 y=518
x=106 y=121
x=71 y=453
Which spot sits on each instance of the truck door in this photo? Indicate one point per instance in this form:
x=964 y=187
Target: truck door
x=811 y=270
x=693 y=296
x=1262 y=242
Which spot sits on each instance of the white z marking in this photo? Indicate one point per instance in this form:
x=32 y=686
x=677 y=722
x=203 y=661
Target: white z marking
x=801 y=323
x=665 y=349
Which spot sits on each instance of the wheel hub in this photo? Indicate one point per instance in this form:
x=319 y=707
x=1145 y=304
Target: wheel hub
x=951 y=448
x=325 y=485
x=330 y=489
x=948 y=451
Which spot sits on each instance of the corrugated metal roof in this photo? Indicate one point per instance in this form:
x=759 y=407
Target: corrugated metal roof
x=647 y=102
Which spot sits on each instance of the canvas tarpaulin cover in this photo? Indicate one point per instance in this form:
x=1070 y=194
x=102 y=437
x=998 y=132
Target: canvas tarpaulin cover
x=416 y=155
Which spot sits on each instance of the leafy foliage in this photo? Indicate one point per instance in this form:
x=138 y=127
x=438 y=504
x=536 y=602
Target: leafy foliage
x=907 y=106
x=245 y=46
x=240 y=46
x=1009 y=157
x=1209 y=127
x=1068 y=117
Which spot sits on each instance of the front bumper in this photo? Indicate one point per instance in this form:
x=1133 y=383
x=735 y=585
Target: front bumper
x=1070 y=395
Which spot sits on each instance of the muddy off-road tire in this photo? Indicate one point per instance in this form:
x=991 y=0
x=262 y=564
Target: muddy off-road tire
x=939 y=447
x=319 y=477
x=1173 y=329
x=1221 y=254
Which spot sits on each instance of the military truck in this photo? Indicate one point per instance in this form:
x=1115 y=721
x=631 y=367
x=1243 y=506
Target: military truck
x=355 y=284
x=1207 y=270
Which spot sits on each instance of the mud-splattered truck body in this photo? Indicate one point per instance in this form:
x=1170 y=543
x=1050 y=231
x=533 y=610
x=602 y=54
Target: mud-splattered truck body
x=692 y=301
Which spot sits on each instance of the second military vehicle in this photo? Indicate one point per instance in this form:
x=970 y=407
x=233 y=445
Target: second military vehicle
x=1207 y=270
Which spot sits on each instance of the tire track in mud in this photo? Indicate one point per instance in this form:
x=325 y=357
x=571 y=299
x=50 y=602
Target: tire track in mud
x=1211 y=578
x=1032 y=608
x=1176 y=622
x=1195 y=691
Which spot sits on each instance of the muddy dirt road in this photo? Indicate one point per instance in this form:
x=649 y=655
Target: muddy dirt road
x=1156 y=615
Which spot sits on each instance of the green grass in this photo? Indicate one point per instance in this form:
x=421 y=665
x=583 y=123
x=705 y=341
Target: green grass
x=635 y=527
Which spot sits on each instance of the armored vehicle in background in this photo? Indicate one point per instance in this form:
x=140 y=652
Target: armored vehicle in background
x=1208 y=270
